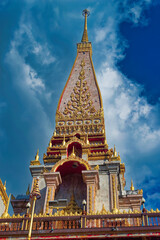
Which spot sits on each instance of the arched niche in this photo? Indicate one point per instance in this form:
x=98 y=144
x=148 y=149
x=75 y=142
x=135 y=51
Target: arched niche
x=70 y=170
x=76 y=148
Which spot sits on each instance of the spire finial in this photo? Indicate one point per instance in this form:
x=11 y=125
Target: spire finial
x=50 y=144
x=85 y=13
x=115 y=153
x=73 y=153
x=132 y=187
x=37 y=156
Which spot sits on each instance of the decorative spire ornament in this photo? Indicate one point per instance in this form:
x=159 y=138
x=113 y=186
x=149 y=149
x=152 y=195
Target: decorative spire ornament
x=73 y=153
x=85 y=13
x=50 y=144
x=35 y=194
x=132 y=187
x=115 y=153
x=37 y=156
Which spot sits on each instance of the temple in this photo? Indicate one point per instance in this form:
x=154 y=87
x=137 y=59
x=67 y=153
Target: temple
x=79 y=189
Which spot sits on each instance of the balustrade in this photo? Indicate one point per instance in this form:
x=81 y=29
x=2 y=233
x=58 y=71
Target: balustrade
x=109 y=221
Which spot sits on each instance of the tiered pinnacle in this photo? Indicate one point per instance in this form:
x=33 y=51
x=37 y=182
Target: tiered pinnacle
x=78 y=160
x=79 y=116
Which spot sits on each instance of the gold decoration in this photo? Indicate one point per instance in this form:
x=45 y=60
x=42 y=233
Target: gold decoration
x=114 y=210
x=50 y=144
x=64 y=143
x=96 y=167
x=90 y=199
x=87 y=140
x=4 y=186
x=73 y=153
x=140 y=191
x=6 y=214
x=71 y=158
x=103 y=211
x=72 y=208
x=115 y=153
x=80 y=103
x=36 y=161
x=132 y=187
x=85 y=13
x=75 y=139
x=48 y=198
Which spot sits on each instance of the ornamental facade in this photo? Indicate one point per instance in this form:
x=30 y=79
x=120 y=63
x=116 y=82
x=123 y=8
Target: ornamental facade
x=80 y=185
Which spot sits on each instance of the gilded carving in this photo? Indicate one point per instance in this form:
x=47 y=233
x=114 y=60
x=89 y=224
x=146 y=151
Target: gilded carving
x=80 y=102
x=140 y=191
x=71 y=209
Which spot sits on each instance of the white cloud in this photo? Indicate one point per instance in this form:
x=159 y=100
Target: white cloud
x=128 y=114
x=22 y=45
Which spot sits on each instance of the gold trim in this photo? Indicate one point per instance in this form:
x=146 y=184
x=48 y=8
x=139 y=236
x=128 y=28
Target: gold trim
x=71 y=158
x=101 y=102
x=90 y=199
x=48 y=198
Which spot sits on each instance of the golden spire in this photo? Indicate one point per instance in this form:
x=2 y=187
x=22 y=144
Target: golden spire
x=85 y=13
x=115 y=153
x=73 y=153
x=50 y=144
x=36 y=161
x=6 y=214
x=37 y=156
x=132 y=187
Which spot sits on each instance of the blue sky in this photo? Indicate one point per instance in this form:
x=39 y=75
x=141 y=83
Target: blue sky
x=37 y=50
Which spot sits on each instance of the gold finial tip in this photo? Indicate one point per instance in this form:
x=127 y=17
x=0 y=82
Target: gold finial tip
x=86 y=11
x=132 y=187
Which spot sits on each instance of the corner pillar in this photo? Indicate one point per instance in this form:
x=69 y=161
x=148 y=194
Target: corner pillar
x=52 y=179
x=113 y=170
x=91 y=178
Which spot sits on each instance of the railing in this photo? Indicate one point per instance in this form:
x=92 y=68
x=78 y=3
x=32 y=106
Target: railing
x=110 y=222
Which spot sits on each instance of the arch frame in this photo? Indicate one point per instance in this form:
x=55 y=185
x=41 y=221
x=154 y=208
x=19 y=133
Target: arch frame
x=71 y=159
